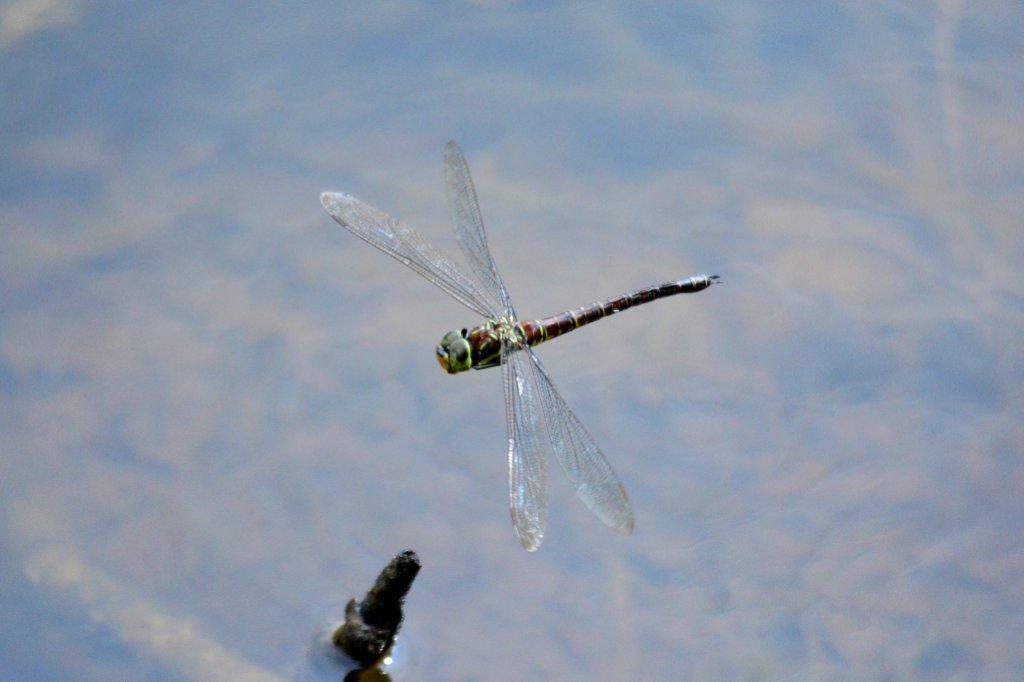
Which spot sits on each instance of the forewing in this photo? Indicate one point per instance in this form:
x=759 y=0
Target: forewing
x=527 y=446
x=588 y=469
x=408 y=247
x=469 y=225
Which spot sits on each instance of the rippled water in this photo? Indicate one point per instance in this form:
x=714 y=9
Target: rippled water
x=221 y=414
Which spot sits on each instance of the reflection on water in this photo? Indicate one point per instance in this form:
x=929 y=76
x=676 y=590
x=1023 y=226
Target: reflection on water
x=139 y=623
x=323 y=661
x=371 y=675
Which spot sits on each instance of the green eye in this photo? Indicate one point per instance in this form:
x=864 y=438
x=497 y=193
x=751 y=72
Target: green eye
x=454 y=353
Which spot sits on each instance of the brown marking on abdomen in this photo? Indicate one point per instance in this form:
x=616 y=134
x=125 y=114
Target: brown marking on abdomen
x=538 y=331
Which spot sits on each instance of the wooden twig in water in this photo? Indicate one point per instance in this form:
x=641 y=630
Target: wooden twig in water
x=371 y=625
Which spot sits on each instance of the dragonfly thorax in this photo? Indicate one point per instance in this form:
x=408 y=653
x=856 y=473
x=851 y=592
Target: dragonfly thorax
x=504 y=329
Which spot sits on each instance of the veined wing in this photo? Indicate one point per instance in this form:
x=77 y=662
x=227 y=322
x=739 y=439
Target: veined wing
x=406 y=245
x=469 y=225
x=591 y=474
x=527 y=445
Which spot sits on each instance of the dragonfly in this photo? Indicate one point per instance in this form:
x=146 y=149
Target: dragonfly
x=538 y=420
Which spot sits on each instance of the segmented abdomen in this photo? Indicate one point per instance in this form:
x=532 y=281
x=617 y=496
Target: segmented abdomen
x=539 y=331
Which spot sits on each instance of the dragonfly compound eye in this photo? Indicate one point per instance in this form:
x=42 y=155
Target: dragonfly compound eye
x=454 y=353
x=458 y=355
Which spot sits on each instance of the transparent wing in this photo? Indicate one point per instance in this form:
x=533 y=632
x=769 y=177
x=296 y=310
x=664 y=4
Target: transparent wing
x=527 y=445
x=469 y=225
x=591 y=474
x=407 y=246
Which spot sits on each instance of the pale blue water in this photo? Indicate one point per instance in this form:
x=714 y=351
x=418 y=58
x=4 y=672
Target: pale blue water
x=221 y=415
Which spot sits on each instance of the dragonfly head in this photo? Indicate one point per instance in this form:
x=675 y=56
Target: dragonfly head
x=454 y=353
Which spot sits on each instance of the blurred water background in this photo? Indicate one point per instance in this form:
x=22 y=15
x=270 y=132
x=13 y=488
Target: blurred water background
x=221 y=414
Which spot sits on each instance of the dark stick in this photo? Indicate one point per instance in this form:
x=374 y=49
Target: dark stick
x=370 y=626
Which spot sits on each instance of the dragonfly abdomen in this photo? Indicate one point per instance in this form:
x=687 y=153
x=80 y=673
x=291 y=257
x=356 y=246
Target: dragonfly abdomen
x=539 y=331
